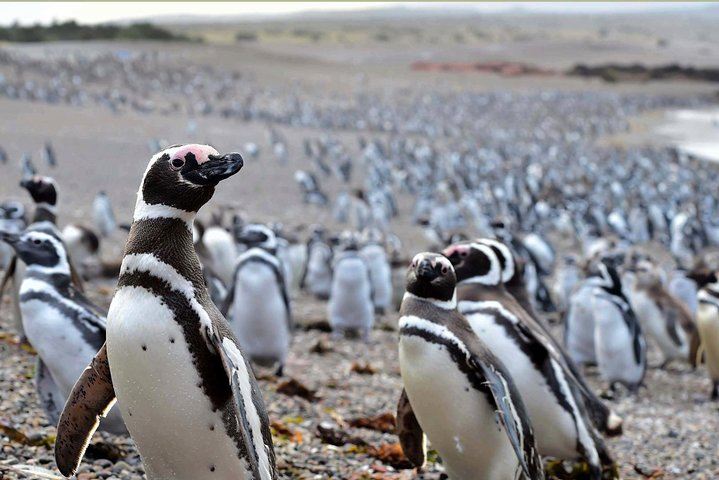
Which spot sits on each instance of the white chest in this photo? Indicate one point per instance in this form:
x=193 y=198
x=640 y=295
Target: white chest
x=458 y=420
x=158 y=390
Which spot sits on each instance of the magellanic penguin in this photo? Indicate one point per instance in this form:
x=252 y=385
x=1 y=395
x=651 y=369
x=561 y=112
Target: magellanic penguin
x=455 y=390
x=708 y=325
x=43 y=191
x=664 y=318
x=63 y=327
x=375 y=256
x=317 y=276
x=350 y=308
x=186 y=392
x=603 y=418
x=618 y=337
x=258 y=302
x=550 y=391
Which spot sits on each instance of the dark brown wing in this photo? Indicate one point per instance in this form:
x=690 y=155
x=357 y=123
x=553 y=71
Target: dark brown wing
x=91 y=398
x=411 y=437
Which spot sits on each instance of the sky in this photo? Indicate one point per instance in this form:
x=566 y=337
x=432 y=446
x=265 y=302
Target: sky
x=98 y=12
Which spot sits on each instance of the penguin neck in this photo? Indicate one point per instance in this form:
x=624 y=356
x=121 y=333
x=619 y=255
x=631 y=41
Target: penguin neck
x=60 y=273
x=45 y=212
x=475 y=292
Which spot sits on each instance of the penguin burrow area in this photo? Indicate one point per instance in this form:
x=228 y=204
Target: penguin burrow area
x=349 y=246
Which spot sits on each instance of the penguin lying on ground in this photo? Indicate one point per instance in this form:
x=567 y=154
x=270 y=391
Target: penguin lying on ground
x=63 y=327
x=455 y=390
x=548 y=387
x=186 y=392
x=258 y=302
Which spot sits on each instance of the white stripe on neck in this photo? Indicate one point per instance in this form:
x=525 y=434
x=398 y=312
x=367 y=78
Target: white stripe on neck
x=146 y=211
x=436 y=329
x=46 y=206
x=443 y=304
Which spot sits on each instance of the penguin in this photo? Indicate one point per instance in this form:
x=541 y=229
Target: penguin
x=566 y=281
x=12 y=220
x=579 y=323
x=261 y=317
x=220 y=253
x=350 y=306
x=551 y=392
x=63 y=327
x=317 y=276
x=83 y=246
x=375 y=257
x=456 y=392
x=618 y=337
x=708 y=326
x=664 y=318
x=170 y=359
x=103 y=215
x=48 y=154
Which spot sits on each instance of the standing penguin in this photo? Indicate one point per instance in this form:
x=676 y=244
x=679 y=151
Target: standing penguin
x=455 y=390
x=375 y=256
x=103 y=215
x=261 y=317
x=63 y=327
x=350 y=306
x=187 y=394
x=663 y=317
x=550 y=390
x=708 y=324
x=618 y=338
x=317 y=277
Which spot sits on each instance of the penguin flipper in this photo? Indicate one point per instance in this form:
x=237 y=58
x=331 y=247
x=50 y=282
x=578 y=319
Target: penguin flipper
x=515 y=419
x=91 y=398
x=239 y=372
x=411 y=437
x=49 y=393
x=9 y=274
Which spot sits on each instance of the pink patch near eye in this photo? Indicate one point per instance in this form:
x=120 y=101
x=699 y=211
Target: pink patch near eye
x=201 y=152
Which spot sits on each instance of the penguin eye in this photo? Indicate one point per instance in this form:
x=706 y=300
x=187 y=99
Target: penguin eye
x=178 y=163
x=463 y=253
x=444 y=270
x=36 y=241
x=414 y=263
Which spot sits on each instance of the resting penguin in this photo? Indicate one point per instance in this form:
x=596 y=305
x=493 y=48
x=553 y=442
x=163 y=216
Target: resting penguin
x=375 y=256
x=549 y=389
x=603 y=418
x=63 y=327
x=455 y=390
x=708 y=324
x=618 y=338
x=186 y=392
x=663 y=317
x=259 y=302
x=350 y=307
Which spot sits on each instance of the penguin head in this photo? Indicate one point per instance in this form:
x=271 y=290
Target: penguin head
x=185 y=176
x=39 y=249
x=505 y=256
x=474 y=262
x=259 y=236
x=431 y=276
x=12 y=210
x=41 y=189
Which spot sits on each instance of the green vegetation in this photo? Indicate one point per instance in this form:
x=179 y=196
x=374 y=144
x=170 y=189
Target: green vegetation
x=71 y=30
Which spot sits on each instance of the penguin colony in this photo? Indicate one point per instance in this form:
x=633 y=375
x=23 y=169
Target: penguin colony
x=487 y=384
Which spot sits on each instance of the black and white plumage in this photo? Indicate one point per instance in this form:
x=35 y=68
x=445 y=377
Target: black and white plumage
x=63 y=327
x=619 y=341
x=457 y=392
x=258 y=303
x=708 y=326
x=171 y=358
x=550 y=389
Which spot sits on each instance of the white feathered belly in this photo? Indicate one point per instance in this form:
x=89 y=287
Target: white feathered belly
x=457 y=419
x=554 y=427
x=654 y=324
x=614 y=345
x=158 y=390
x=56 y=340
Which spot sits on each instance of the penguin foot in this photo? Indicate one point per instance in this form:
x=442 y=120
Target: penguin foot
x=280 y=370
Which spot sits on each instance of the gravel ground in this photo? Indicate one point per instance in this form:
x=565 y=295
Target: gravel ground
x=671 y=429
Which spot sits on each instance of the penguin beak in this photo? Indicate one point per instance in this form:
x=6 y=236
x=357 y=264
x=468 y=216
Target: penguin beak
x=215 y=169
x=425 y=270
x=9 y=238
